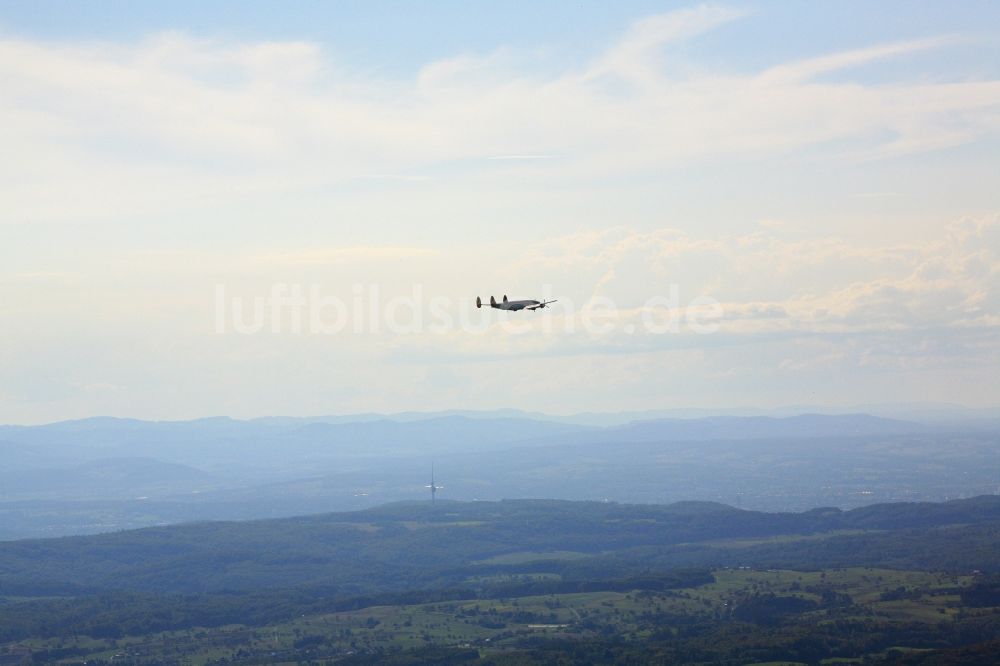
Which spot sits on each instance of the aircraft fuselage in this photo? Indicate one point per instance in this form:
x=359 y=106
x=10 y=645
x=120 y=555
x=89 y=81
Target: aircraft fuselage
x=513 y=305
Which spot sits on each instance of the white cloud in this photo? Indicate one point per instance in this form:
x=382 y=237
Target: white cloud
x=768 y=287
x=636 y=56
x=143 y=125
x=805 y=70
x=337 y=254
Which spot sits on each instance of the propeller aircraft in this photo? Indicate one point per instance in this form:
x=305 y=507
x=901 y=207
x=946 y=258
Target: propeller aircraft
x=514 y=305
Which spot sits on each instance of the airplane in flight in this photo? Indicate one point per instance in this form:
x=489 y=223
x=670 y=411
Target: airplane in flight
x=514 y=305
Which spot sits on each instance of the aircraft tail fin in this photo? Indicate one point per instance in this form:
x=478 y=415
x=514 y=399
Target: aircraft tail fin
x=505 y=298
x=493 y=302
x=479 y=302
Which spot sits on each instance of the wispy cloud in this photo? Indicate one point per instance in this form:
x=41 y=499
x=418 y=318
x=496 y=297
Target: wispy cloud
x=636 y=56
x=337 y=254
x=174 y=117
x=803 y=70
x=522 y=157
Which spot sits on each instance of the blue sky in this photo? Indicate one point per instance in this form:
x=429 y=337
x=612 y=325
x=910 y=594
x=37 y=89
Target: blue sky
x=395 y=38
x=825 y=173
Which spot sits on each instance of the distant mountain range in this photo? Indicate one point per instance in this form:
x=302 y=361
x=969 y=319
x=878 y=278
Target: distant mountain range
x=104 y=473
x=221 y=445
x=921 y=412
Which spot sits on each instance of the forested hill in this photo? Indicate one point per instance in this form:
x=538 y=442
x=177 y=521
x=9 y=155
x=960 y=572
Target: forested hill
x=414 y=545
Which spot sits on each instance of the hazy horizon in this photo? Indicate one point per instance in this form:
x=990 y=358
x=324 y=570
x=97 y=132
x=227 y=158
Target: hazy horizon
x=916 y=411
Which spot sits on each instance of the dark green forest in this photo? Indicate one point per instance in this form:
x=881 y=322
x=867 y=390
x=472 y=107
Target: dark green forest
x=574 y=582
